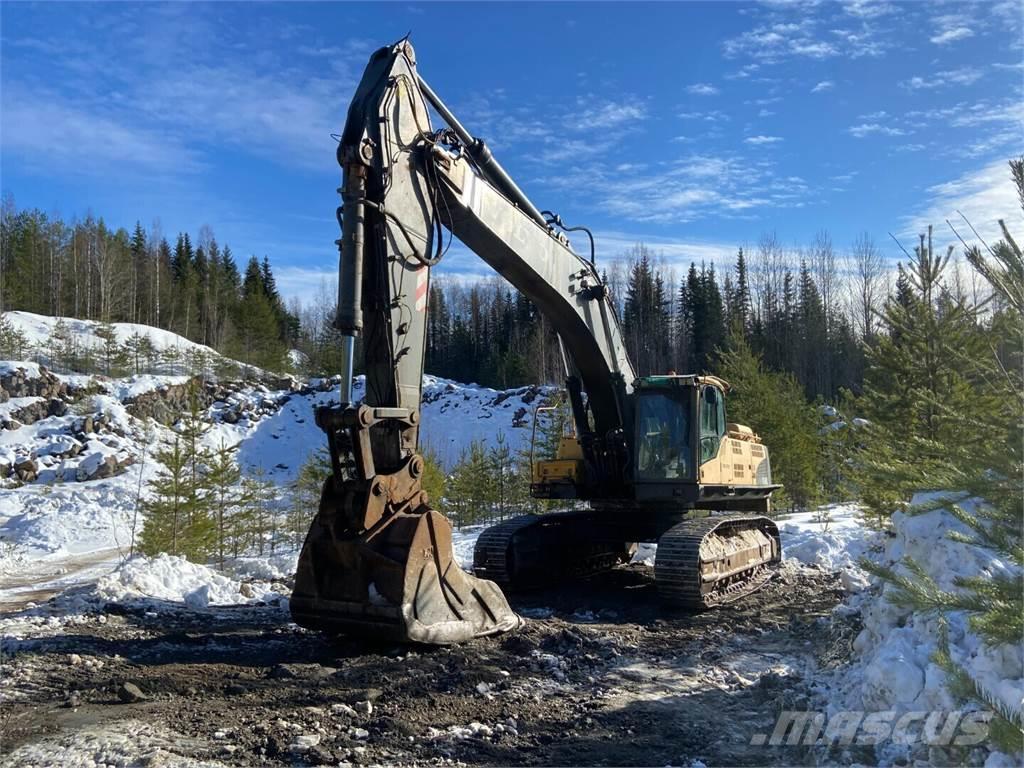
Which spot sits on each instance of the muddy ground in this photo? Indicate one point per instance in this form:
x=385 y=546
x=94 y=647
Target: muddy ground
x=600 y=675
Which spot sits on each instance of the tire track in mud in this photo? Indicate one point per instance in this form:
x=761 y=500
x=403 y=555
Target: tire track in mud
x=616 y=682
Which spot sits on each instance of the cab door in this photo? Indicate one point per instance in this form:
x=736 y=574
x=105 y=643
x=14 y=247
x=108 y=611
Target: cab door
x=711 y=415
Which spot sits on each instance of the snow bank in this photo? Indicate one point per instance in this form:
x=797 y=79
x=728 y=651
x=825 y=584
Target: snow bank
x=832 y=537
x=894 y=670
x=174 y=579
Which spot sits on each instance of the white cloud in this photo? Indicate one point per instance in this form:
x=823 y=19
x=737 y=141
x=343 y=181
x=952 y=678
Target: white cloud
x=677 y=252
x=713 y=116
x=824 y=85
x=700 y=186
x=961 y=76
x=950 y=27
x=865 y=129
x=760 y=140
x=779 y=40
x=611 y=114
x=44 y=129
x=952 y=35
x=701 y=89
x=865 y=9
x=984 y=196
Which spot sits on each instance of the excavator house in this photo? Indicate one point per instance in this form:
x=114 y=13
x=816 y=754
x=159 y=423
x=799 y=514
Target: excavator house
x=652 y=457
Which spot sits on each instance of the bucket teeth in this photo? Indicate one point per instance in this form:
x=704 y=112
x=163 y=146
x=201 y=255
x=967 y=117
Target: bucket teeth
x=397 y=581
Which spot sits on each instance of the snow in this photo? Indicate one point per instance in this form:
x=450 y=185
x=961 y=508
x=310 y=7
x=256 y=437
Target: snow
x=894 y=670
x=831 y=537
x=39 y=328
x=170 y=578
x=132 y=387
x=30 y=370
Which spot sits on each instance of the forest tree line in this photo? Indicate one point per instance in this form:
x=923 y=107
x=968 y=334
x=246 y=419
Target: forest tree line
x=87 y=270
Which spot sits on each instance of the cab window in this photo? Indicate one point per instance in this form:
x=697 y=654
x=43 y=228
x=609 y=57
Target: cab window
x=663 y=437
x=712 y=422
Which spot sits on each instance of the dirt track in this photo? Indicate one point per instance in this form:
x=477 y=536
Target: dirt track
x=617 y=683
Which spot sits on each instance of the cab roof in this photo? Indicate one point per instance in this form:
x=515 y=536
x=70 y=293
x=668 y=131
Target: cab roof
x=676 y=380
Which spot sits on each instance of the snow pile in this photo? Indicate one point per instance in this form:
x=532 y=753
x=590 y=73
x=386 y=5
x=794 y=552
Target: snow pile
x=895 y=671
x=831 y=537
x=42 y=521
x=173 y=579
x=455 y=415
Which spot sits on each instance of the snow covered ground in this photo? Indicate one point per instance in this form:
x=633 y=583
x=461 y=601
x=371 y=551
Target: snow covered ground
x=38 y=330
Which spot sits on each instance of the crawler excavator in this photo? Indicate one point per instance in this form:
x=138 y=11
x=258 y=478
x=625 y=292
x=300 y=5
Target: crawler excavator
x=652 y=457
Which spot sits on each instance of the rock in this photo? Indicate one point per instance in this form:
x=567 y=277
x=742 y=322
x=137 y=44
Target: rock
x=26 y=469
x=342 y=710
x=56 y=407
x=73 y=701
x=319 y=755
x=305 y=741
x=74 y=659
x=360 y=733
x=129 y=693
x=88 y=425
x=365 y=707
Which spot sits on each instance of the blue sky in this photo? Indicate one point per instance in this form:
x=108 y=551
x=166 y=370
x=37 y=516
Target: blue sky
x=694 y=127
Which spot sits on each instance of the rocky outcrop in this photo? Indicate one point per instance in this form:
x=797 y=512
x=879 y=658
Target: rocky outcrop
x=22 y=383
x=167 y=403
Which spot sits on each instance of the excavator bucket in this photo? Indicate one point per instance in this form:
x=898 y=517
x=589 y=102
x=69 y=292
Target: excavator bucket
x=398 y=580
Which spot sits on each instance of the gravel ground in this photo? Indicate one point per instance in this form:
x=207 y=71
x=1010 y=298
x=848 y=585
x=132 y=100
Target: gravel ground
x=600 y=675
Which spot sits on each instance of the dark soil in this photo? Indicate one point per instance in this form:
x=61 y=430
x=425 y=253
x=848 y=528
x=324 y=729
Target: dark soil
x=606 y=676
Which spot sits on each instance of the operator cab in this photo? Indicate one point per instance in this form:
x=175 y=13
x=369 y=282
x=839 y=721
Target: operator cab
x=680 y=424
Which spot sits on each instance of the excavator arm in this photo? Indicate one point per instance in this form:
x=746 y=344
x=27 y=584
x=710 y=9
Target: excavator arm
x=378 y=557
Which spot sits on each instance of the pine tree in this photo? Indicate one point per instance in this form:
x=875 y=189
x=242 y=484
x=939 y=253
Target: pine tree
x=61 y=346
x=170 y=507
x=305 y=495
x=221 y=478
x=471 y=486
x=434 y=479
x=112 y=355
x=910 y=388
x=13 y=341
x=502 y=468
